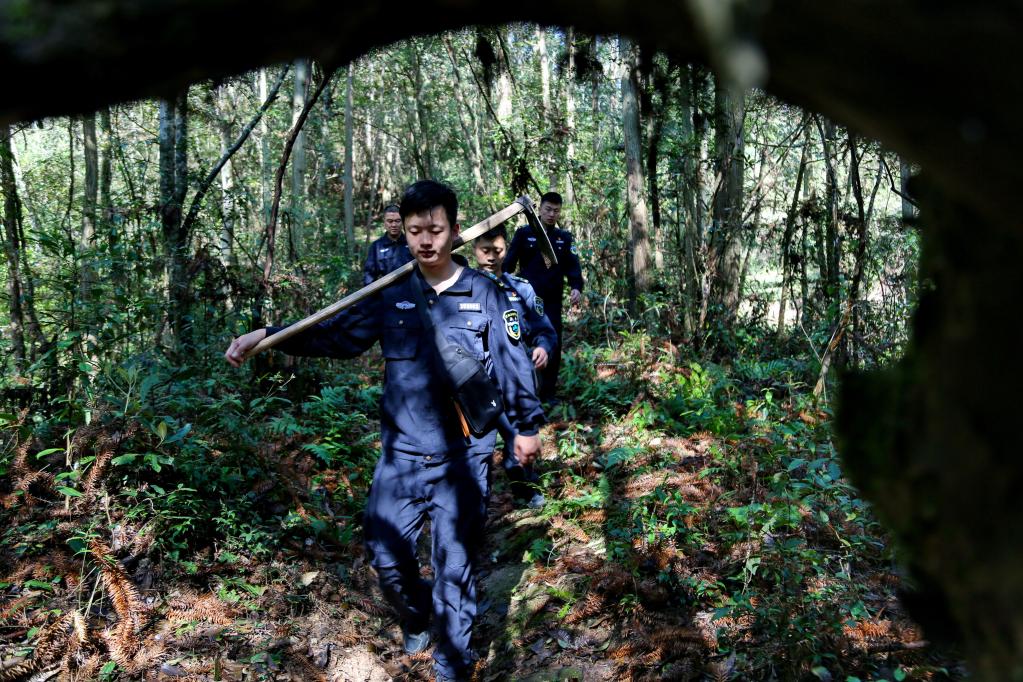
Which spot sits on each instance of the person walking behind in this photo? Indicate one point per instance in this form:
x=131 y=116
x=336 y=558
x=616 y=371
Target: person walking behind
x=524 y=254
x=390 y=251
x=540 y=341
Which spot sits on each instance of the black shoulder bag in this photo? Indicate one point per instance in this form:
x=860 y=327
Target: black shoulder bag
x=477 y=398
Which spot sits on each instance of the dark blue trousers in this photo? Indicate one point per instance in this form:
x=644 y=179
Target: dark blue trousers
x=451 y=490
x=549 y=375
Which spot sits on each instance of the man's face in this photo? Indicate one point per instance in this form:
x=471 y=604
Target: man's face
x=430 y=236
x=490 y=253
x=392 y=222
x=549 y=213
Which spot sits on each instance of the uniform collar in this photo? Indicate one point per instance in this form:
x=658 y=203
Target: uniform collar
x=461 y=287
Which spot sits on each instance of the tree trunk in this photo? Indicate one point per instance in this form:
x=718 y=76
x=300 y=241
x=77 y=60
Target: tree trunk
x=87 y=273
x=725 y=253
x=173 y=140
x=831 y=257
x=635 y=184
x=106 y=206
x=12 y=250
x=228 y=208
x=349 y=179
x=569 y=81
x=691 y=191
x=296 y=212
x=264 y=153
x=786 y=240
x=545 y=75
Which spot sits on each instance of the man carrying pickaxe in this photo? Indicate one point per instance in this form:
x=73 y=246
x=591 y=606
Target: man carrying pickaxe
x=431 y=467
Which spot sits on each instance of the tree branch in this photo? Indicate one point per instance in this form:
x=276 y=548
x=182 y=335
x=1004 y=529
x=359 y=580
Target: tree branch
x=289 y=143
x=204 y=186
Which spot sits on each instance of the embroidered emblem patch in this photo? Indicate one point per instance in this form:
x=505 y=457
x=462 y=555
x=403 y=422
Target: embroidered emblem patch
x=476 y=307
x=511 y=324
x=538 y=305
x=404 y=305
x=573 y=249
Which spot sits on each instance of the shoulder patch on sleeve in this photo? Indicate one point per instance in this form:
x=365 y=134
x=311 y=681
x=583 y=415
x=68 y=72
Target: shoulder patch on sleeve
x=538 y=305
x=573 y=249
x=512 y=325
x=517 y=278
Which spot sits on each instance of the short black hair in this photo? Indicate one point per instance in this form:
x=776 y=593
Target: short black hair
x=426 y=195
x=552 y=198
x=493 y=233
x=391 y=208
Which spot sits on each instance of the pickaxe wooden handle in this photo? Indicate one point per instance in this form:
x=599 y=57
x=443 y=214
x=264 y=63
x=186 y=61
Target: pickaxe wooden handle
x=466 y=236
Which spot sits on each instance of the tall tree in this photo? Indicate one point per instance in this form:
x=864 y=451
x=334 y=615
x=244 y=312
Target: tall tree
x=296 y=213
x=173 y=142
x=349 y=174
x=225 y=108
x=725 y=244
x=12 y=250
x=786 y=241
x=635 y=183
x=569 y=85
x=89 y=201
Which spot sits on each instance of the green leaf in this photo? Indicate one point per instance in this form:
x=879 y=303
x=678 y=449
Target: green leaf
x=181 y=433
x=84 y=367
x=48 y=451
x=70 y=492
x=124 y=459
x=257 y=590
x=39 y=585
x=108 y=668
x=161 y=430
x=899 y=675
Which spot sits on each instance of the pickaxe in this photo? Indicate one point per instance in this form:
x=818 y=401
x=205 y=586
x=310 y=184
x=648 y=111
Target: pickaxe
x=520 y=205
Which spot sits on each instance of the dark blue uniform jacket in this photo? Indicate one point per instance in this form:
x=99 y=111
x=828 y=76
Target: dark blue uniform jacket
x=384 y=256
x=417 y=413
x=524 y=253
x=537 y=329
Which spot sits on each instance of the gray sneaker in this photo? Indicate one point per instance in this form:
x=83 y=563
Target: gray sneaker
x=414 y=642
x=537 y=501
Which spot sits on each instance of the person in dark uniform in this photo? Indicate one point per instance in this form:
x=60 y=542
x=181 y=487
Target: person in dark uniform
x=390 y=251
x=429 y=468
x=549 y=284
x=540 y=337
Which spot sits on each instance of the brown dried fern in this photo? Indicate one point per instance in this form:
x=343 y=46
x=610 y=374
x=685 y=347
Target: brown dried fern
x=570 y=530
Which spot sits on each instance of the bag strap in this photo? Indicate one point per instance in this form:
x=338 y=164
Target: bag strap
x=423 y=308
x=439 y=340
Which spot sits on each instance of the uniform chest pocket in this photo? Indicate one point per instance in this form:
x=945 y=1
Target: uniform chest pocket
x=399 y=341
x=467 y=331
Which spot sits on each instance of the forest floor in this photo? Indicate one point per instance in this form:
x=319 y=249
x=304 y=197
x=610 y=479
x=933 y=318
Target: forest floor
x=697 y=527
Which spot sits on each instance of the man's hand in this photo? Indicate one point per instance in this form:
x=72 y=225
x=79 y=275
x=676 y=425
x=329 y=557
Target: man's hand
x=539 y=357
x=527 y=449
x=575 y=296
x=235 y=354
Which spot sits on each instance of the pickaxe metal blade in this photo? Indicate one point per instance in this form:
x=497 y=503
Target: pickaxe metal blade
x=550 y=259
